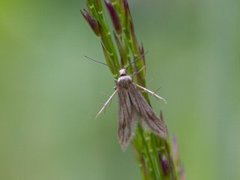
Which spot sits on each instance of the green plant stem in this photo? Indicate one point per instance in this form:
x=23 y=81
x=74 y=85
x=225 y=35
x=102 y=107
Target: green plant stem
x=153 y=153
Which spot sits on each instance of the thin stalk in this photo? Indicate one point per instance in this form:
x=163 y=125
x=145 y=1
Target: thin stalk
x=156 y=158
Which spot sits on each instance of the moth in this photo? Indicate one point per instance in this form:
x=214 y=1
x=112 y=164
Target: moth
x=133 y=106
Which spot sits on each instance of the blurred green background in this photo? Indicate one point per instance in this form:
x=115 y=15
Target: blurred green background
x=49 y=93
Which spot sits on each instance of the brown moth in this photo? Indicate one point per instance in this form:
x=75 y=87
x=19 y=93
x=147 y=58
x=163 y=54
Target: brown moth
x=133 y=106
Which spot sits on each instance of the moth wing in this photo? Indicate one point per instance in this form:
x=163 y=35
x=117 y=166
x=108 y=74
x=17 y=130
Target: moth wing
x=127 y=121
x=145 y=112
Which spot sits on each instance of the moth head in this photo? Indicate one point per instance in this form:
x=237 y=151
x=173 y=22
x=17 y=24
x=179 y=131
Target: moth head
x=122 y=72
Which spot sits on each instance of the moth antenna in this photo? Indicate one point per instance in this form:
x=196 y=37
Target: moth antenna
x=95 y=61
x=106 y=103
x=138 y=57
x=142 y=68
x=152 y=93
x=135 y=59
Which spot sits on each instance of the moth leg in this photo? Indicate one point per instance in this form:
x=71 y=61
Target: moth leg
x=106 y=103
x=150 y=92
